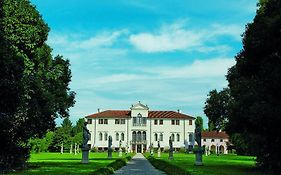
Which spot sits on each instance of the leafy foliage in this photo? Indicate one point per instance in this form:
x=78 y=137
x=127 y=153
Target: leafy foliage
x=34 y=86
x=255 y=86
x=253 y=112
x=199 y=122
x=217 y=109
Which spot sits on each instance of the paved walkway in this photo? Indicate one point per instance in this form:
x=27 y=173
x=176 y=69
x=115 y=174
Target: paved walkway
x=139 y=166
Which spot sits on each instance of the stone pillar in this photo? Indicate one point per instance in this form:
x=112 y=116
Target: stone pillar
x=85 y=155
x=61 y=149
x=70 y=151
x=198 y=157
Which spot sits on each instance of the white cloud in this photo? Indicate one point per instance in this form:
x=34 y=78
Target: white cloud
x=178 y=37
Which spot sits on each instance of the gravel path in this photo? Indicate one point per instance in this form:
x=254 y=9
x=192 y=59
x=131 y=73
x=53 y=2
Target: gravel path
x=139 y=166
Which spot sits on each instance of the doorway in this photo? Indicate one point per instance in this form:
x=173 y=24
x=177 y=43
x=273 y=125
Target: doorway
x=139 y=148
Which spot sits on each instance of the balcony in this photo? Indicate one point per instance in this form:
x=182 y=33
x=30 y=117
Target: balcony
x=138 y=141
x=139 y=124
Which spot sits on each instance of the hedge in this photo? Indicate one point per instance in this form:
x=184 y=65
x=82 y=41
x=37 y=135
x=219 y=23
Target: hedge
x=110 y=168
x=167 y=167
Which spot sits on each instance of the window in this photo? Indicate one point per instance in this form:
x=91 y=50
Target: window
x=100 y=121
x=161 y=137
x=90 y=136
x=190 y=138
x=144 y=121
x=100 y=136
x=143 y=135
x=173 y=122
x=139 y=136
x=155 y=122
x=204 y=140
x=212 y=140
x=134 y=121
x=134 y=136
x=122 y=136
x=117 y=136
x=105 y=136
x=160 y=122
x=178 y=137
x=89 y=121
x=156 y=137
x=122 y=121
x=173 y=137
x=117 y=121
x=177 y=122
x=105 y=121
x=221 y=140
x=190 y=122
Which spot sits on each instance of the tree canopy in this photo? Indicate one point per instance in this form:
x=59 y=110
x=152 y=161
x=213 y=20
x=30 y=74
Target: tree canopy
x=34 y=85
x=253 y=113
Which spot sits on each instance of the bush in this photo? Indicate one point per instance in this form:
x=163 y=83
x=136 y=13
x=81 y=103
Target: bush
x=167 y=167
x=110 y=168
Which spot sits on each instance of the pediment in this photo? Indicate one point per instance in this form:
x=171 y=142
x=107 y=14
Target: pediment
x=139 y=106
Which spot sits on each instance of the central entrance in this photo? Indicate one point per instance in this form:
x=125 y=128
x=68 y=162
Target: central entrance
x=138 y=148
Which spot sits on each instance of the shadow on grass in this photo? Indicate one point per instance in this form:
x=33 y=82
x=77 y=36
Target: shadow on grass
x=64 y=168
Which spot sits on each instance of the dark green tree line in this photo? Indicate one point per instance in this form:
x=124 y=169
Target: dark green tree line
x=254 y=112
x=33 y=85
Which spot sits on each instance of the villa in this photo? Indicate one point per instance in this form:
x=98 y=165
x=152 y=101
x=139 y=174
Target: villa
x=138 y=129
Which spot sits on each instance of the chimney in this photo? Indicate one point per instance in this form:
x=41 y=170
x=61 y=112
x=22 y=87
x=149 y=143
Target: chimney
x=99 y=110
x=179 y=111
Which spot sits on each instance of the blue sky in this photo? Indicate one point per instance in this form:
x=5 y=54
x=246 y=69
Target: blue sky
x=166 y=54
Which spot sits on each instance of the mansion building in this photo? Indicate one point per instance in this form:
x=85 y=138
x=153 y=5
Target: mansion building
x=139 y=128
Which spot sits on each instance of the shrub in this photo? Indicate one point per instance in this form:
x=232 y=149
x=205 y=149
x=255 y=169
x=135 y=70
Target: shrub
x=167 y=167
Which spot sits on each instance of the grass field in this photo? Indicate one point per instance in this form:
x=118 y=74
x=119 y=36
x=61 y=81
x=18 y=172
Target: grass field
x=214 y=165
x=65 y=164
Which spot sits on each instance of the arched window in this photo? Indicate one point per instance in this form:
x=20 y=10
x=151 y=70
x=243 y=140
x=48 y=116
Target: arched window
x=156 y=137
x=161 y=137
x=100 y=136
x=178 y=137
x=134 y=136
x=139 y=118
x=105 y=136
x=122 y=136
x=117 y=136
x=190 y=138
x=139 y=136
x=173 y=137
x=143 y=135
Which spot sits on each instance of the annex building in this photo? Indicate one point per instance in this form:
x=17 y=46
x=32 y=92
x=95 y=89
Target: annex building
x=139 y=128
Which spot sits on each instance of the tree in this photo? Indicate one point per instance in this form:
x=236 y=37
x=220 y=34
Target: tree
x=66 y=126
x=34 y=86
x=254 y=83
x=217 y=109
x=199 y=122
x=79 y=126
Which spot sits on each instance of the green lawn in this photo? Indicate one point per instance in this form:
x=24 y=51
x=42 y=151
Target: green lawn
x=214 y=165
x=65 y=164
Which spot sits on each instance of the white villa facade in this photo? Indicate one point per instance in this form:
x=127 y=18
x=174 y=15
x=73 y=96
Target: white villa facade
x=138 y=128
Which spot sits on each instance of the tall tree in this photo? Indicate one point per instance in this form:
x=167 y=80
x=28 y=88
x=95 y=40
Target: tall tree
x=199 y=122
x=34 y=86
x=217 y=109
x=255 y=83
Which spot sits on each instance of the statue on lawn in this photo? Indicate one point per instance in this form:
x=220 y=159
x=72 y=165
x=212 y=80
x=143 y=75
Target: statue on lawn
x=109 y=155
x=159 y=149
x=199 y=151
x=86 y=135
x=171 y=149
x=85 y=148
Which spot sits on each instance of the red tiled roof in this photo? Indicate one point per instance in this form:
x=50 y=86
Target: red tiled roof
x=151 y=114
x=214 y=134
